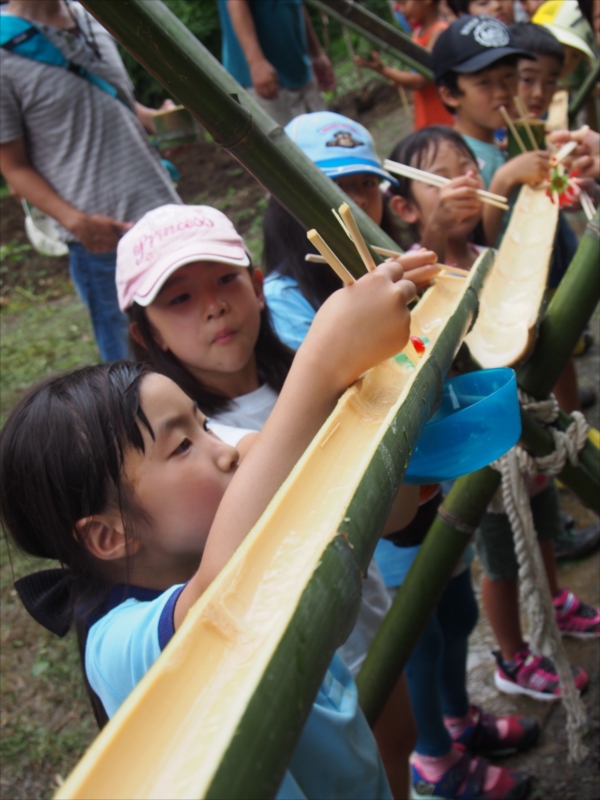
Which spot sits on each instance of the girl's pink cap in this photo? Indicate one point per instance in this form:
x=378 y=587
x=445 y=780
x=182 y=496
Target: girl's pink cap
x=166 y=239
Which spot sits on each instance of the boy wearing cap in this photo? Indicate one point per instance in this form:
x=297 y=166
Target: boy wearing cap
x=475 y=68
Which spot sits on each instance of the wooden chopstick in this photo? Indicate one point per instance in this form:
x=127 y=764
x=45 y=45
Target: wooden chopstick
x=357 y=237
x=336 y=265
x=415 y=174
x=564 y=151
x=587 y=205
x=522 y=109
x=510 y=125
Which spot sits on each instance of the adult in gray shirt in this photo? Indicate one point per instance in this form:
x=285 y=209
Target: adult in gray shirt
x=79 y=154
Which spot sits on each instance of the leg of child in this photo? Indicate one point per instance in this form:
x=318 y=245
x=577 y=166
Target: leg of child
x=396 y=734
x=519 y=671
x=436 y=674
x=566 y=389
x=495 y=547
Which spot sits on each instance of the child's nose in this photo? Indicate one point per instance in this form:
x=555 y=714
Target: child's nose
x=214 y=306
x=227 y=458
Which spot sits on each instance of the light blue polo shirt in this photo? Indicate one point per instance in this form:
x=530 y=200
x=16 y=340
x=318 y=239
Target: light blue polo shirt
x=291 y=313
x=336 y=757
x=281 y=31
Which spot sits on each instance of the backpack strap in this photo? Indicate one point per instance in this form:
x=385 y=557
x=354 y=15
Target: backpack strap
x=19 y=36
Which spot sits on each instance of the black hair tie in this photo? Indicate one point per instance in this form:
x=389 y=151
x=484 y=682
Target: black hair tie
x=48 y=598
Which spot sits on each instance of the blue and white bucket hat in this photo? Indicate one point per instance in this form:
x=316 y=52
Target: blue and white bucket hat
x=337 y=145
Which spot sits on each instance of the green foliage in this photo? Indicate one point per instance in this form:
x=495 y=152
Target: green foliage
x=202 y=18
x=13 y=252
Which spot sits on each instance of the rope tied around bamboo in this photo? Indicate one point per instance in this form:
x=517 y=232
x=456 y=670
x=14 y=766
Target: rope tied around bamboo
x=513 y=500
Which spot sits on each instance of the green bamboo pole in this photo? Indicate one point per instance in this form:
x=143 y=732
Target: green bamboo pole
x=446 y=540
x=584 y=91
x=384 y=36
x=170 y=52
x=567 y=315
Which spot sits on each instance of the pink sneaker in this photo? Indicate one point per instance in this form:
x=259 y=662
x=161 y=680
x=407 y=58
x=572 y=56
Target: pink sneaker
x=535 y=676
x=575 y=618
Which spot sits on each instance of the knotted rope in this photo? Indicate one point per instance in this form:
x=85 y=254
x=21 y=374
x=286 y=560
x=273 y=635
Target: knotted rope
x=545 y=636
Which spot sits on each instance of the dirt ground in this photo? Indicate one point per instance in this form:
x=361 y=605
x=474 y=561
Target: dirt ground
x=29 y=689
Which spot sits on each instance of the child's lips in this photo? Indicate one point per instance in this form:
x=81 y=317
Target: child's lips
x=224 y=336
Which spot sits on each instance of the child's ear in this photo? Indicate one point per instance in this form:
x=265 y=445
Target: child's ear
x=103 y=535
x=447 y=98
x=258 y=281
x=404 y=209
x=135 y=333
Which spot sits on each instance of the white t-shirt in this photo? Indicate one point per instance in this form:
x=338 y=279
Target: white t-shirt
x=249 y=411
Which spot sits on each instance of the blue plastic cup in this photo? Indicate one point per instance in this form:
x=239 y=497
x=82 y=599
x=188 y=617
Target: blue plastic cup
x=478 y=420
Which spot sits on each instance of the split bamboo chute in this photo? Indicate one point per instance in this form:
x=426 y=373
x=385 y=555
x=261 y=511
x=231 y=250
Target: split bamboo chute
x=430 y=178
x=510 y=303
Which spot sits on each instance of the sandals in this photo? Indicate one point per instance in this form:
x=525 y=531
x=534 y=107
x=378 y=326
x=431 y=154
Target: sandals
x=483 y=737
x=465 y=781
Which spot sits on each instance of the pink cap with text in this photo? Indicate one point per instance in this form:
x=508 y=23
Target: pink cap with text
x=166 y=239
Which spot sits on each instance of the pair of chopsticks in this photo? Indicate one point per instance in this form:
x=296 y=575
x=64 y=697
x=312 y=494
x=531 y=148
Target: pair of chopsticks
x=587 y=205
x=346 y=219
x=348 y=223
x=561 y=154
x=415 y=174
x=446 y=271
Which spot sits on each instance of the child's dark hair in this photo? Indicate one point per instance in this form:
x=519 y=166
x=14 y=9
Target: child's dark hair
x=450 y=79
x=421 y=145
x=273 y=360
x=62 y=451
x=459 y=6
x=285 y=245
x=537 y=40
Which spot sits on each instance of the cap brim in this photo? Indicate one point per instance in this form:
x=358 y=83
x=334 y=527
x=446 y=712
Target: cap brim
x=569 y=38
x=146 y=299
x=489 y=57
x=338 y=167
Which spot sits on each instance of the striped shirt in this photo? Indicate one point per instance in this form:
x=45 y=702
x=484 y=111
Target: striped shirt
x=89 y=146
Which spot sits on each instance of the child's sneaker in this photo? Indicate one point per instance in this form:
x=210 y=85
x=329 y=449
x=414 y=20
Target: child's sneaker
x=535 y=676
x=497 y=736
x=466 y=781
x=575 y=618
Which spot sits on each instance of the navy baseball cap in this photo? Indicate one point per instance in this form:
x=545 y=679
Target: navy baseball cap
x=336 y=144
x=473 y=43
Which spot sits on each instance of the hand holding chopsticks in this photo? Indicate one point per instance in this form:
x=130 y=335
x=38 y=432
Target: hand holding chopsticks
x=430 y=178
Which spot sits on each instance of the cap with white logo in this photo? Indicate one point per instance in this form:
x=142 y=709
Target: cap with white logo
x=471 y=44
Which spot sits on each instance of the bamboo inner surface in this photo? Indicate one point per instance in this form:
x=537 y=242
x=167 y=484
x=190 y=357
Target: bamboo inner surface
x=169 y=736
x=558 y=113
x=512 y=296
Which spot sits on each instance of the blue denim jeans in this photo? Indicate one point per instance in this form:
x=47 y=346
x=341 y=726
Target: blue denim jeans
x=94 y=277
x=436 y=671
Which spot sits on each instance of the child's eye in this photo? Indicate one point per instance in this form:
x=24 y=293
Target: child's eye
x=205 y=425
x=180 y=298
x=182 y=448
x=231 y=276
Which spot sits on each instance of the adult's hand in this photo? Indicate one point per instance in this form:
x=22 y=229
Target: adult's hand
x=264 y=79
x=586 y=158
x=324 y=74
x=99 y=233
